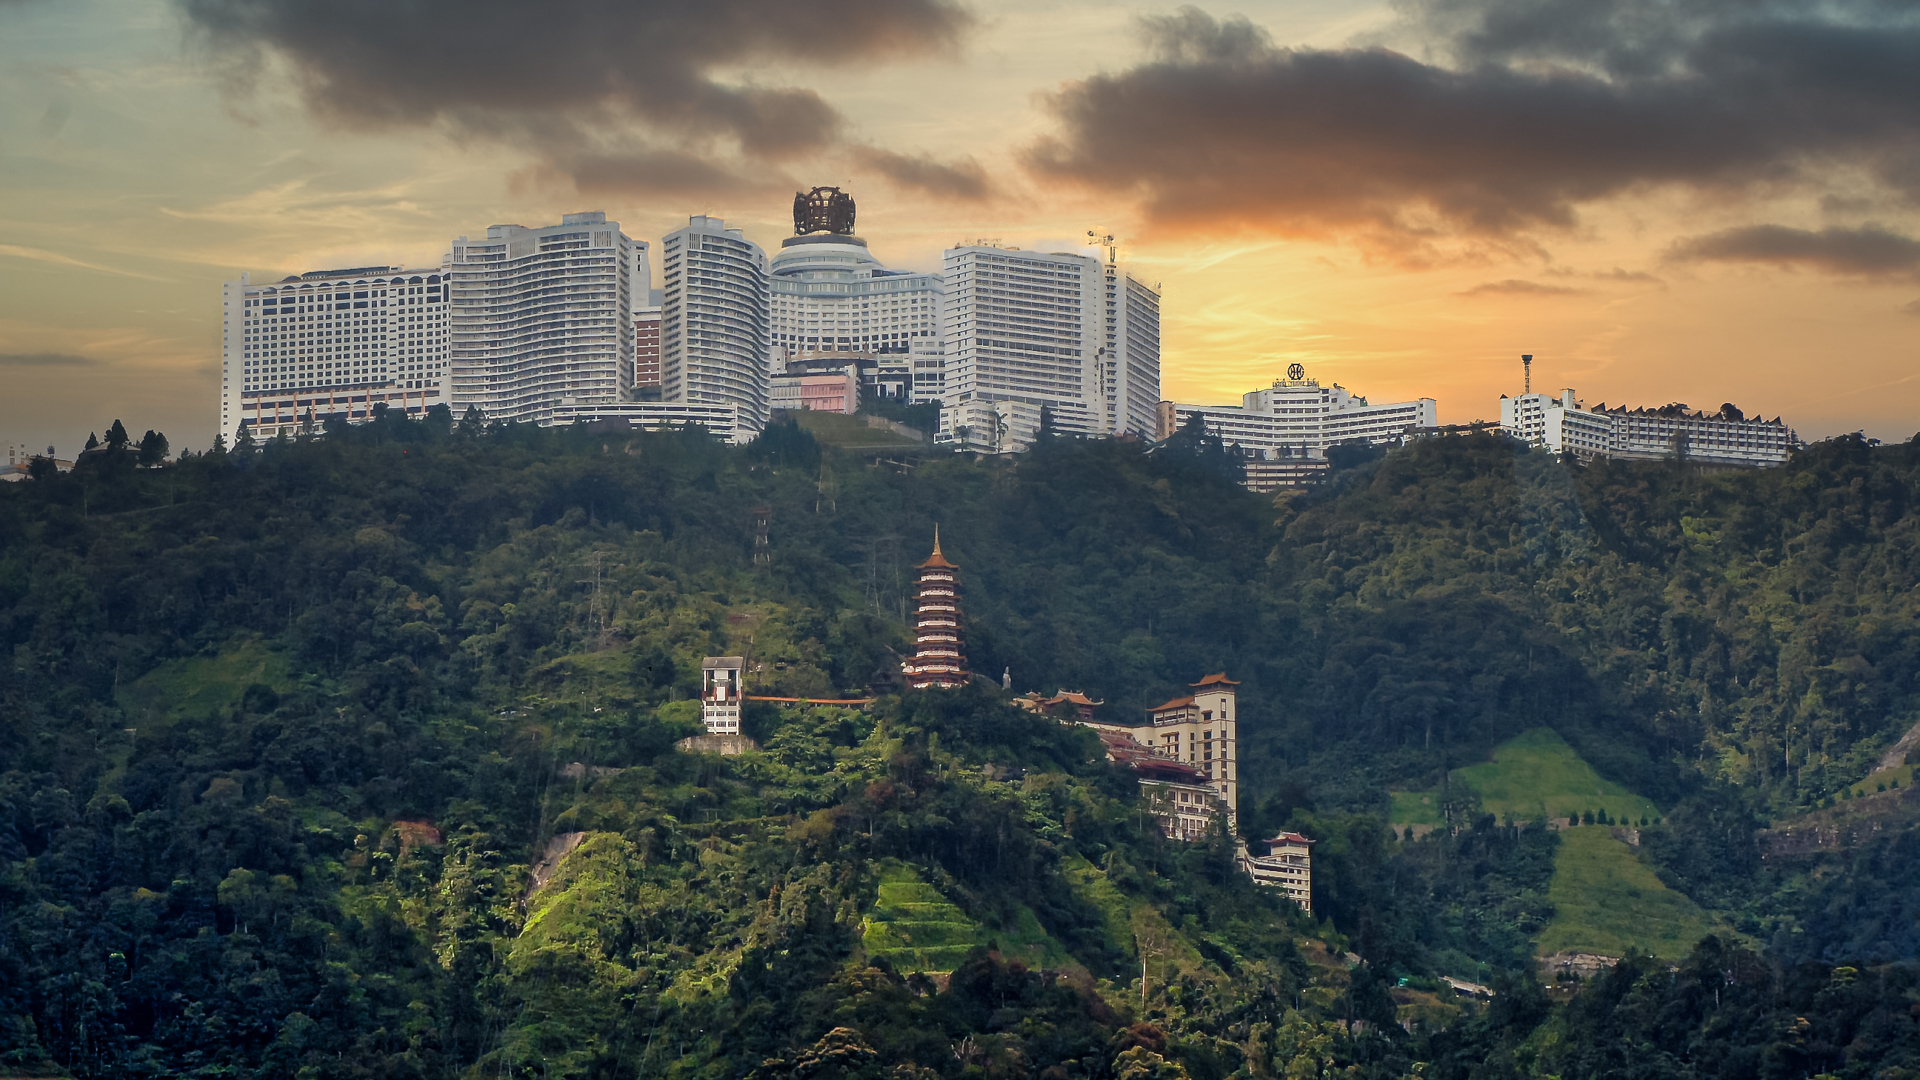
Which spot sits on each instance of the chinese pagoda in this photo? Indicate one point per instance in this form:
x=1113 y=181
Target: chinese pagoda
x=938 y=659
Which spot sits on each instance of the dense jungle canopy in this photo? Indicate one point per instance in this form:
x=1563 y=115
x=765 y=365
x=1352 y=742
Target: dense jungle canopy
x=355 y=756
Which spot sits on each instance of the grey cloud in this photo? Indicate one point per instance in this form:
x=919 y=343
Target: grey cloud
x=600 y=79
x=1517 y=287
x=44 y=359
x=1629 y=277
x=1549 y=105
x=1869 y=251
x=963 y=179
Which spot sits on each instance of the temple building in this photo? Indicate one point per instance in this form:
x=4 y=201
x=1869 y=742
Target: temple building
x=938 y=657
x=1185 y=754
x=1200 y=729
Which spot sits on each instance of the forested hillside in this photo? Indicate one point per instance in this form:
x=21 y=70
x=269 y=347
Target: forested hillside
x=355 y=757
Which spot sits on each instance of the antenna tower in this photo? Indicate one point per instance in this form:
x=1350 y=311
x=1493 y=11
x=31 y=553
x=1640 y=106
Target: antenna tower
x=1526 y=362
x=1107 y=242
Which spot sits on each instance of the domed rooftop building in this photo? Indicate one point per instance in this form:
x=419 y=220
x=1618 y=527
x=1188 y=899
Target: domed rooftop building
x=836 y=307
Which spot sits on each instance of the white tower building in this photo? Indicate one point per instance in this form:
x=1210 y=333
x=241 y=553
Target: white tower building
x=715 y=346
x=1133 y=351
x=1059 y=331
x=721 y=687
x=331 y=343
x=835 y=305
x=543 y=318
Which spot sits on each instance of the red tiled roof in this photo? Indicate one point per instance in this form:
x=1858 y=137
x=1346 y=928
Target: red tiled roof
x=1123 y=750
x=1176 y=703
x=1289 y=838
x=1220 y=679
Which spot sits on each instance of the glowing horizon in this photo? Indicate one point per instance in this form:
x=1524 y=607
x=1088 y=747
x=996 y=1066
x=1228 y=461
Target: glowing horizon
x=1401 y=205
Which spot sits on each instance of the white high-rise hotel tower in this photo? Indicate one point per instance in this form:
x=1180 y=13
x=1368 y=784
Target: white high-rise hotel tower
x=714 y=348
x=1064 y=332
x=331 y=343
x=543 y=317
x=539 y=324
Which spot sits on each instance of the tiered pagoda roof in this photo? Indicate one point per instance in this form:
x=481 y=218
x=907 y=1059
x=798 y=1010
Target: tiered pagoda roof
x=939 y=657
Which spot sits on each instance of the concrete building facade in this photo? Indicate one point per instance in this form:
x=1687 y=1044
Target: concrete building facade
x=837 y=307
x=1725 y=439
x=331 y=343
x=1061 y=333
x=1287 y=865
x=544 y=316
x=1297 y=417
x=715 y=322
x=722 y=692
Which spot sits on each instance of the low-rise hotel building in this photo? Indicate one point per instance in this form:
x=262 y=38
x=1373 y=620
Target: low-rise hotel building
x=1284 y=430
x=1287 y=865
x=1723 y=439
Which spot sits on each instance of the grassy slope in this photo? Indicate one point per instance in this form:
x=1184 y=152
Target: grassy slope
x=852 y=432
x=197 y=685
x=1880 y=779
x=914 y=926
x=1606 y=900
x=1416 y=808
x=1537 y=775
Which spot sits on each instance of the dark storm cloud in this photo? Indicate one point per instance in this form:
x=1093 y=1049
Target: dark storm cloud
x=963 y=179
x=1869 y=251
x=1543 y=105
x=600 y=79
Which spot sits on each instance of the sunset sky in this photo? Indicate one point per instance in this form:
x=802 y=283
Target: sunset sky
x=1663 y=200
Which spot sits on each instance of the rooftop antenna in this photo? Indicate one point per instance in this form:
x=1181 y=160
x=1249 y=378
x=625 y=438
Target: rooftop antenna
x=1526 y=362
x=1106 y=242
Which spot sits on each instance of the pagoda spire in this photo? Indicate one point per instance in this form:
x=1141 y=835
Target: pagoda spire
x=939 y=658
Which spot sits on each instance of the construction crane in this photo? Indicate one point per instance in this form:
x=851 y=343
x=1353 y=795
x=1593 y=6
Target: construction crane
x=1104 y=241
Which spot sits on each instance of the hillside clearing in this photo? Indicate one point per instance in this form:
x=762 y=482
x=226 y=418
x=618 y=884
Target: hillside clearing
x=1606 y=901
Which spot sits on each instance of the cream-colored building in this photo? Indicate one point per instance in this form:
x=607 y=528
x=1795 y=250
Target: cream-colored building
x=1297 y=418
x=1287 y=865
x=1199 y=731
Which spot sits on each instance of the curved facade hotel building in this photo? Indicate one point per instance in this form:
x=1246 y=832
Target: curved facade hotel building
x=329 y=343
x=1284 y=429
x=939 y=658
x=543 y=317
x=714 y=337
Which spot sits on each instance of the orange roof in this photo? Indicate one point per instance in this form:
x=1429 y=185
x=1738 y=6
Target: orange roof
x=936 y=559
x=1220 y=679
x=1289 y=838
x=1074 y=696
x=1176 y=703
